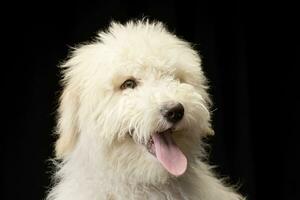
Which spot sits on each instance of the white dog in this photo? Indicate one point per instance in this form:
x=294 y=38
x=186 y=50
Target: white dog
x=132 y=116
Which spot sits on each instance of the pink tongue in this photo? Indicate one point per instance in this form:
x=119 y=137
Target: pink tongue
x=168 y=153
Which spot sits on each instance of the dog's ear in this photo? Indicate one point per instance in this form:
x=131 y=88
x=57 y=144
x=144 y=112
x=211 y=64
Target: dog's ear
x=209 y=132
x=81 y=59
x=67 y=122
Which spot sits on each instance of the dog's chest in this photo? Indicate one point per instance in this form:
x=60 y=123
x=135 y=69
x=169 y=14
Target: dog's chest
x=170 y=192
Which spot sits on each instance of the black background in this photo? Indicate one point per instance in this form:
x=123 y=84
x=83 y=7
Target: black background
x=250 y=55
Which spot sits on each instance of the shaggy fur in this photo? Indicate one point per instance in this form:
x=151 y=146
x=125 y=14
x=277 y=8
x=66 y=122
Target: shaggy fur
x=103 y=128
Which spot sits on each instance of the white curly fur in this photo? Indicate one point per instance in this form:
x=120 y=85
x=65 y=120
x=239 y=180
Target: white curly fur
x=102 y=128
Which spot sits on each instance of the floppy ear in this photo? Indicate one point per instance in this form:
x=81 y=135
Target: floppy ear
x=73 y=70
x=67 y=122
x=209 y=132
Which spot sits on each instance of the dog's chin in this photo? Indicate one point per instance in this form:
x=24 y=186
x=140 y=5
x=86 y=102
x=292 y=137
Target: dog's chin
x=154 y=173
x=134 y=163
x=154 y=161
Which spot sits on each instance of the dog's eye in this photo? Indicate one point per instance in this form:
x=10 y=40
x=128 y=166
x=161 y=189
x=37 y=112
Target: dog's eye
x=130 y=83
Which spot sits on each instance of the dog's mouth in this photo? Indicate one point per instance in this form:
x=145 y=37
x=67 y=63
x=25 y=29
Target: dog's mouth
x=163 y=147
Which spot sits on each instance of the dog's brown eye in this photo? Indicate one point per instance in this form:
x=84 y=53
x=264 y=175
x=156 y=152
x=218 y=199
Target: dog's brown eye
x=128 y=84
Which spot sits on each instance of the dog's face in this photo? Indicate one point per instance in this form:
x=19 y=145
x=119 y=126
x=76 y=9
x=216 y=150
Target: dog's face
x=136 y=98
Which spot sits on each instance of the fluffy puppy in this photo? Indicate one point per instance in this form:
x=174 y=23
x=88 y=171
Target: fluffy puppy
x=132 y=116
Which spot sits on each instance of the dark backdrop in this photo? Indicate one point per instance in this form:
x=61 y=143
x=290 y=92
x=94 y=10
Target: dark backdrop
x=250 y=55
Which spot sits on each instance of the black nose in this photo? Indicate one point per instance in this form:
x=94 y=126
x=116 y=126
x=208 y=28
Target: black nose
x=173 y=112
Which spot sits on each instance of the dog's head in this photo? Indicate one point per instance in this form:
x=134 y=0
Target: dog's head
x=135 y=97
